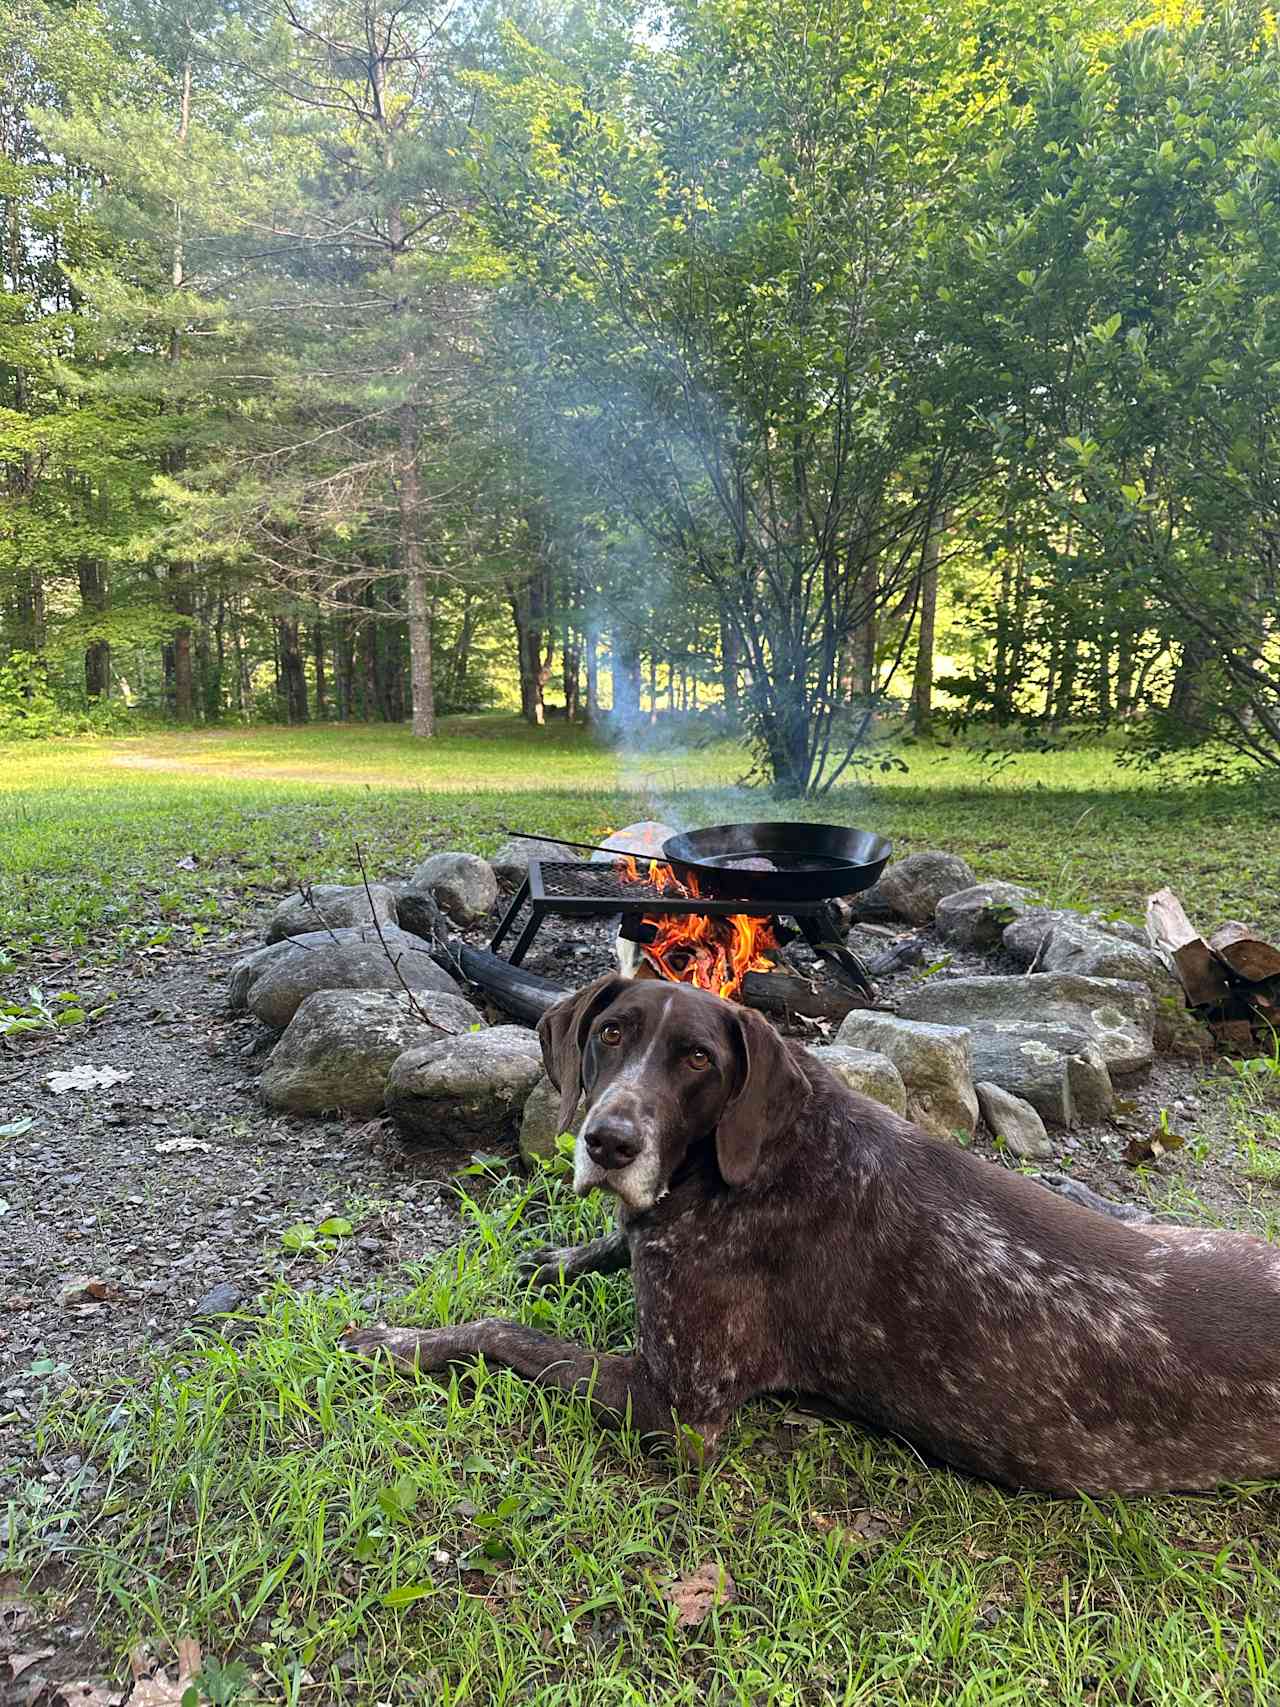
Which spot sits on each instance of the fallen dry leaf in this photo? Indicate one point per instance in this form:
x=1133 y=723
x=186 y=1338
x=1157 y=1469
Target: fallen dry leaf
x=86 y=1289
x=180 y=1146
x=15 y=1609
x=86 y=1694
x=1150 y=1149
x=157 y=1691
x=18 y=1663
x=870 y=1525
x=85 y=1078
x=694 y=1596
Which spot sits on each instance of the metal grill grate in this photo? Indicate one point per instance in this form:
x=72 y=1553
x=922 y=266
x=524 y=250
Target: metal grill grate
x=583 y=881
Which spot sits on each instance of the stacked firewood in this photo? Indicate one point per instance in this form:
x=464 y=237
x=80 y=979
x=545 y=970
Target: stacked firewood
x=1231 y=977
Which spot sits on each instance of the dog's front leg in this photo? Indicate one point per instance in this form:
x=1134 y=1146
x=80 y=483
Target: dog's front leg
x=618 y=1387
x=606 y=1255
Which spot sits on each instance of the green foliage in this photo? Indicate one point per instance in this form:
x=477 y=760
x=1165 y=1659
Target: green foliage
x=29 y=710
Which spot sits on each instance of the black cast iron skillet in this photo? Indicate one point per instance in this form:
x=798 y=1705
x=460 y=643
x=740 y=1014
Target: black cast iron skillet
x=812 y=862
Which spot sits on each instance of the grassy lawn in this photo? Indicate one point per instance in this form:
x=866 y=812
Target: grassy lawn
x=358 y=1537
x=107 y=846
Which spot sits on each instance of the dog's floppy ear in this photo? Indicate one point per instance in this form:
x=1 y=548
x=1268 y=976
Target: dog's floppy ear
x=562 y=1031
x=771 y=1087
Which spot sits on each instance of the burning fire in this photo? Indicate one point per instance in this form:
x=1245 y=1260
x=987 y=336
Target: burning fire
x=715 y=952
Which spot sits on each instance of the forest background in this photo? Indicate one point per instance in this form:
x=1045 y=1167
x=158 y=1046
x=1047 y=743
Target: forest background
x=813 y=370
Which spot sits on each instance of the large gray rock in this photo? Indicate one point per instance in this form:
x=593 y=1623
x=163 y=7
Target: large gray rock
x=645 y=837
x=1025 y=936
x=977 y=917
x=1094 y=954
x=246 y=969
x=419 y=912
x=464 y=1090
x=540 y=1123
x=913 y=886
x=281 y=977
x=341 y=1044
x=511 y=862
x=875 y=1076
x=1119 y=1015
x=1014 y=1120
x=331 y=906
x=933 y=1061
x=462 y=884
x=1058 y=1069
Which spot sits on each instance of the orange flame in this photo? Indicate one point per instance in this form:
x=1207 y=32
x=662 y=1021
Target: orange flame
x=714 y=952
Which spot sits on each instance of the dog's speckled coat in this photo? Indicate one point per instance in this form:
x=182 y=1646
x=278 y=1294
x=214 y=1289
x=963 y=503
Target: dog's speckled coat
x=787 y=1234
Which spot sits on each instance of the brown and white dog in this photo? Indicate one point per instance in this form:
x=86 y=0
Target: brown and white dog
x=787 y=1234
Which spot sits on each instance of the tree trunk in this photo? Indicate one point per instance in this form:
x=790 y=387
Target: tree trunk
x=926 y=638
x=593 y=674
x=922 y=681
x=293 y=668
x=730 y=657
x=344 y=663
x=322 y=687
x=626 y=676
x=865 y=634
x=97 y=654
x=417 y=596
x=1186 y=697
x=183 y=680
x=530 y=610
x=572 y=673
x=653 y=685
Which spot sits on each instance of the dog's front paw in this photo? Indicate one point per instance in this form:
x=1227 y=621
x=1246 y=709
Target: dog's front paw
x=423 y=1349
x=544 y=1267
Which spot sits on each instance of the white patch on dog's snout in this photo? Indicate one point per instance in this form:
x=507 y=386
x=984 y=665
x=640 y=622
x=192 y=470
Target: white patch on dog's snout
x=640 y=1183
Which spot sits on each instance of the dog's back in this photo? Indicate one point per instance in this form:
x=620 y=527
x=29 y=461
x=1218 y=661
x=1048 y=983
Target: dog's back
x=1016 y=1334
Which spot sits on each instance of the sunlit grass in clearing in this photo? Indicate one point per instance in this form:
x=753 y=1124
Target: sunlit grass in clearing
x=101 y=855
x=316 y=1517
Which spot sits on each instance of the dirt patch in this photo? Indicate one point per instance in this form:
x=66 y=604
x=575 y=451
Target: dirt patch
x=133 y=1206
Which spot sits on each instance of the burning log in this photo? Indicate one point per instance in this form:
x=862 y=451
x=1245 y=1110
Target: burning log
x=712 y=951
x=781 y=993
x=523 y=995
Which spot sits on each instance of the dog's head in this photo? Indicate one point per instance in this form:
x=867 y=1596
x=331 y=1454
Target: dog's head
x=663 y=1066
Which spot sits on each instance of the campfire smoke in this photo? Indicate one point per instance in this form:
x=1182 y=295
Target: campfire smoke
x=715 y=953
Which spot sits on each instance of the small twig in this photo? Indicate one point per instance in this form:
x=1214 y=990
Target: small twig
x=394 y=960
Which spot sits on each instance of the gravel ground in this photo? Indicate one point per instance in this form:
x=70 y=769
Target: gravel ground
x=133 y=1209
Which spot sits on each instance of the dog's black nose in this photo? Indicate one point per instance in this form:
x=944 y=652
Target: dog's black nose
x=614 y=1145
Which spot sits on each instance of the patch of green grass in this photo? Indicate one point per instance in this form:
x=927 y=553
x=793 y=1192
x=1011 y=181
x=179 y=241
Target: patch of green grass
x=358 y=1536
x=111 y=846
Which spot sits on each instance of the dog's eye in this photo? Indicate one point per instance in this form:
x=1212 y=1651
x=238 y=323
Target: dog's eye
x=611 y=1033
x=699 y=1059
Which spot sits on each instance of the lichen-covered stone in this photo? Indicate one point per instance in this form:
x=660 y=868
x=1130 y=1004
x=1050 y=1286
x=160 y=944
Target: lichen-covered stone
x=1013 y=1119
x=978 y=917
x=468 y=1089
x=863 y=1070
x=1118 y=1014
x=913 y=886
x=933 y=1061
x=462 y=884
x=279 y=979
x=540 y=1123
x=332 y=906
x=340 y=1046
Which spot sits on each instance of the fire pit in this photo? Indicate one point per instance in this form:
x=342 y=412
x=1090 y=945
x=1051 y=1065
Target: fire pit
x=717 y=938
